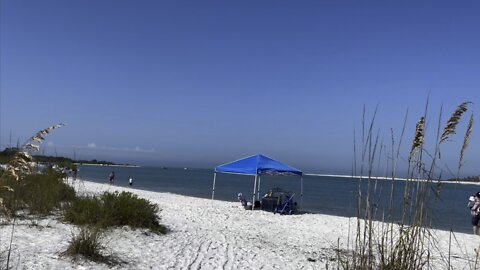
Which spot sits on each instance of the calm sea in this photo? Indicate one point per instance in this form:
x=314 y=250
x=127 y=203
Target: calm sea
x=322 y=194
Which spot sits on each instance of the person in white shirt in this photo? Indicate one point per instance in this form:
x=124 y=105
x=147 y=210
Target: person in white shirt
x=475 y=211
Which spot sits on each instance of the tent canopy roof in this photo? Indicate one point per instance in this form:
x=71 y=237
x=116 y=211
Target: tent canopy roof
x=257 y=165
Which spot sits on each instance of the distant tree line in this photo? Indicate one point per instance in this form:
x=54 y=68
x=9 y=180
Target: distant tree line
x=94 y=161
x=466 y=179
x=7 y=154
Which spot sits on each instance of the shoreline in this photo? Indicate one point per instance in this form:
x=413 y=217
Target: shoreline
x=305 y=174
x=108 y=165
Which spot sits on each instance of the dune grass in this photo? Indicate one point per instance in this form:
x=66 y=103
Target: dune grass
x=87 y=243
x=19 y=167
x=37 y=194
x=408 y=244
x=25 y=190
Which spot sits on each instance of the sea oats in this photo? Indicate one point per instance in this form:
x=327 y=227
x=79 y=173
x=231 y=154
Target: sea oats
x=37 y=139
x=418 y=139
x=19 y=165
x=453 y=121
x=33 y=147
x=7 y=188
x=466 y=140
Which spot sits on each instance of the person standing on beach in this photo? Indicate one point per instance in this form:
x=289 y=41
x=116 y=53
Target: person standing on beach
x=74 y=173
x=475 y=211
x=111 y=177
x=130 y=181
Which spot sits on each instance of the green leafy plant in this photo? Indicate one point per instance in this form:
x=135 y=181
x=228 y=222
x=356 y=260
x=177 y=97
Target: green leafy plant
x=38 y=194
x=20 y=166
x=115 y=209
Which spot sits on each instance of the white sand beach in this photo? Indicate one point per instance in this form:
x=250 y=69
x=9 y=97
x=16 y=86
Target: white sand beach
x=208 y=234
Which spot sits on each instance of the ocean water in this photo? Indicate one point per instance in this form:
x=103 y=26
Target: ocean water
x=322 y=194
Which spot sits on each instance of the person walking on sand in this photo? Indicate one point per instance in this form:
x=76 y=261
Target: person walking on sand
x=111 y=177
x=74 y=173
x=130 y=181
x=475 y=211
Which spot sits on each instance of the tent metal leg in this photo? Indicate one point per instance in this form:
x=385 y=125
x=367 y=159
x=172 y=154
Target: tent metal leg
x=301 y=193
x=213 y=188
x=258 y=189
x=254 y=189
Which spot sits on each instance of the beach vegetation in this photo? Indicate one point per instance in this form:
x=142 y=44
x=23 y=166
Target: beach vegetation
x=37 y=194
x=24 y=187
x=26 y=190
x=406 y=241
x=115 y=209
x=7 y=154
x=20 y=166
x=87 y=243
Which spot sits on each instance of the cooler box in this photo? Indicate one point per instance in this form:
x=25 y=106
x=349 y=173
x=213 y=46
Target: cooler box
x=269 y=203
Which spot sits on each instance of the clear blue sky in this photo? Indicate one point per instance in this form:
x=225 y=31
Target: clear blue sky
x=200 y=83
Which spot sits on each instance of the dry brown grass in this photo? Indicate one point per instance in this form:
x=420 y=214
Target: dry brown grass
x=407 y=245
x=450 y=128
x=466 y=141
x=418 y=138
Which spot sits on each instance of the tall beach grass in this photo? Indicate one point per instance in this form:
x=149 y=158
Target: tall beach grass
x=407 y=243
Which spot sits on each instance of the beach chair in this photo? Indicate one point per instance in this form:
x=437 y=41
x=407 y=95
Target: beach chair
x=285 y=205
x=243 y=201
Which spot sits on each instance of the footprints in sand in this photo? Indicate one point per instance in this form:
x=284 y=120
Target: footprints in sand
x=203 y=249
x=206 y=252
x=230 y=258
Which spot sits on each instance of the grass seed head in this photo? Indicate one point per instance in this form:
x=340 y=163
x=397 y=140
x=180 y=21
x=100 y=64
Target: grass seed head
x=452 y=122
x=418 y=139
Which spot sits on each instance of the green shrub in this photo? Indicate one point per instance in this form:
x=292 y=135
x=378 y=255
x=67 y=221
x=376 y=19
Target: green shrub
x=88 y=244
x=37 y=193
x=85 y=211
x=115 y=209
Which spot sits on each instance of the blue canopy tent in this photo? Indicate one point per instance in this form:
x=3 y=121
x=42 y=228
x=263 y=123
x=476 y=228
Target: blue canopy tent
x=258 y=165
